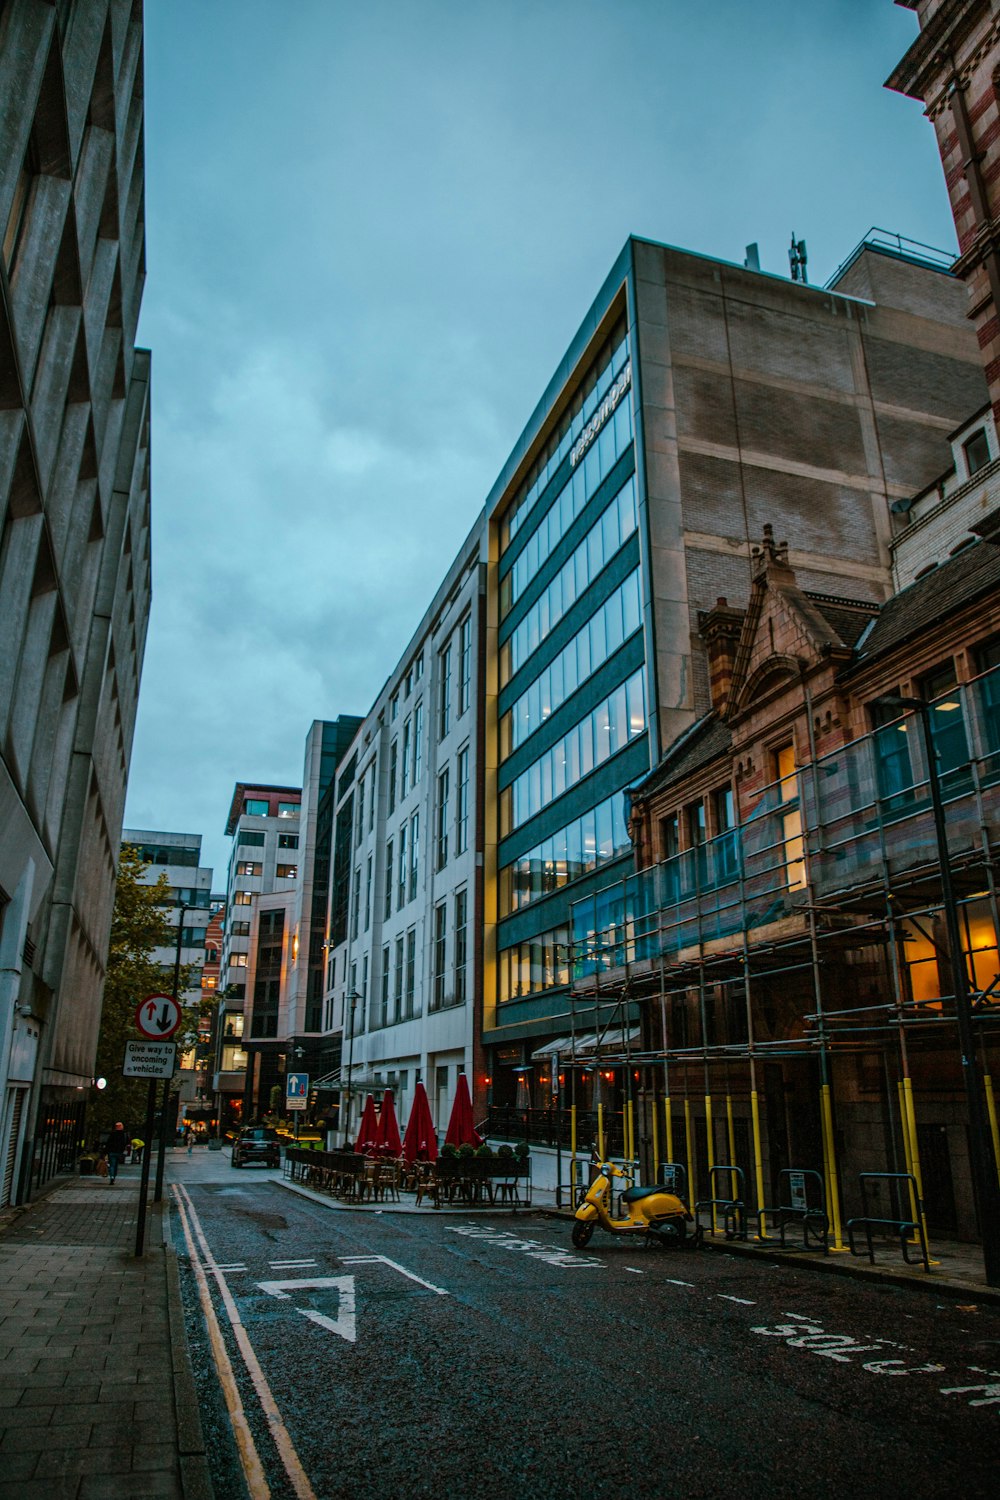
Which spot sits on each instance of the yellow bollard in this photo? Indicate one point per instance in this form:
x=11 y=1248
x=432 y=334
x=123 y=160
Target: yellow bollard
x=829 y=1152
x=991 y=1105
x=907 y=1146
x=656 y=1145
x=600 y=1131
x=758 y=1158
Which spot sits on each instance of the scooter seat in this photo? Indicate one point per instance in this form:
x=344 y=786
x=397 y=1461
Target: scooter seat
x=636 y=1194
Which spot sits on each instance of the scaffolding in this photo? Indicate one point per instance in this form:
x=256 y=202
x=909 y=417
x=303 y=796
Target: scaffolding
x=794 y=971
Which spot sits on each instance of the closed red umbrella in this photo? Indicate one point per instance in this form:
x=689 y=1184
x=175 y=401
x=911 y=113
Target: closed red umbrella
x=420 y=1140
x=368 y=1133
x=387 y=1142
x=461 y=1131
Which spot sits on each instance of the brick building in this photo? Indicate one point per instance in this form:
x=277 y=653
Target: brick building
x=783 y=936
x=953 y=68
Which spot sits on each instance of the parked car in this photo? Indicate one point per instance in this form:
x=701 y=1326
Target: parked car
x=259 y=1144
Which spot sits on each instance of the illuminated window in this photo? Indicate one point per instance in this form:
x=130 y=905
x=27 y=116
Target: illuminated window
x=791 y=821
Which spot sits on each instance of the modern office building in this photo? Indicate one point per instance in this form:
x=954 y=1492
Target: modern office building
x=263 y=823
x=74 y=544
x=698 y=402
x=287 y=951
x=404 y=968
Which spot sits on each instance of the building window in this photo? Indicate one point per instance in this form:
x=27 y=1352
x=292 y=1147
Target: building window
x=240 y=929
x=368 y=894
x=445 y=707
x=725 y=847
x=411 y=972
x=461 y=944
x=403 y=867
x=405 y=771
x=398 y=986
x=414 y=853
x=387 y=895
x=598 y=835
x=392 y=777
x=237 y=960
x=234 y=1023
x=359 y=820
x=355 y=902
x=441 y=853
x=947 y=722
x=246 y=838
x=288 y=809
x=977 y=452
x=249 y=867
x=440 y=952
x=383 y=1017
x=286 y=840
x=539 y=963
x=393 y=708
x=418 y=741
x=242 y=898
x=462 y=807
x=255 y=807
x=464 y=664
x=791 y=820
x=287 y=872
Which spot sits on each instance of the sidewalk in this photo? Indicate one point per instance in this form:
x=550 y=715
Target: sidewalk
x=98 y=1399
x=956 y=1269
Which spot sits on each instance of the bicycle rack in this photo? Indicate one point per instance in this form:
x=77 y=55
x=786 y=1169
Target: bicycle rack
x=732 y=1208
x=899 y=1225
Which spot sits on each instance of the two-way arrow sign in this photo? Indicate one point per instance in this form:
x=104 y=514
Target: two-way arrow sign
x=158 y=1017
x=345 y=1323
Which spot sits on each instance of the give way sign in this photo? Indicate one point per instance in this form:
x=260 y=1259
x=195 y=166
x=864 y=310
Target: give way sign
x=158 y=1016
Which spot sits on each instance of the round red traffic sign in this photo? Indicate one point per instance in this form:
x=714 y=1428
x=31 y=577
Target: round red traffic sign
x=158 y=1016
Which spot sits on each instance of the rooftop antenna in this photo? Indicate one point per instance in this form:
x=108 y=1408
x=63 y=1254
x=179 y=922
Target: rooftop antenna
x=752 y=261
x=797 y=259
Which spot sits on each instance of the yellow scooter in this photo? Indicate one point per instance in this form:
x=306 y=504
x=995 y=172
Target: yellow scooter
x=661 y=1218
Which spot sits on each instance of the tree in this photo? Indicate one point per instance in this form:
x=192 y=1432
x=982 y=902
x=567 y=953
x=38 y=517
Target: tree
x=138 y=926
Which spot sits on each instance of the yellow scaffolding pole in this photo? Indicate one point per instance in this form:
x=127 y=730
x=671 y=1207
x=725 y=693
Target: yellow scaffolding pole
x=656 y=1143
x=730 y=1132
x=669 y=1123
x=758 y=1157
x=630 y=1133
x=991 y=1105
x=690 y=1154
x=710 y=1144
x=911 y=1125
x=830 y=1157
x=600 y=1131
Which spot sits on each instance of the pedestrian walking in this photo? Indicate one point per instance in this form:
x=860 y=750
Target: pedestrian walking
x=116 y=1146
x=189 y=1139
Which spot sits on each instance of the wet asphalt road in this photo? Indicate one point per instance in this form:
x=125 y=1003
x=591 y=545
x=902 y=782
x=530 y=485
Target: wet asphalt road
x=515 y=1366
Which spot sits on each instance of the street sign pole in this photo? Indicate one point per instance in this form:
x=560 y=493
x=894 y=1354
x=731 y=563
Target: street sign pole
x=147 y=1151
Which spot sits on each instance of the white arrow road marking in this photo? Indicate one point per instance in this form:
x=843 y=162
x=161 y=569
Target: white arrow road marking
x=383 y=1260
x=344 y=1325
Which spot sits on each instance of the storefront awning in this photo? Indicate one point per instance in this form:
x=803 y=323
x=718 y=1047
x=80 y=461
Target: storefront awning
x=587 y=1048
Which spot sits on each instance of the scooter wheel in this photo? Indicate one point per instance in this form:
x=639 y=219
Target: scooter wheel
x=582 y=1232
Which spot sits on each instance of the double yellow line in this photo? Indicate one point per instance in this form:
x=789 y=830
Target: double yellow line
x=247 y=1448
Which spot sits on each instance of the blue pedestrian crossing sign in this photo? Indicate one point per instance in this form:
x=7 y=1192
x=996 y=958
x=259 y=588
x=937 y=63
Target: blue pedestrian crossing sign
x=296 y=1090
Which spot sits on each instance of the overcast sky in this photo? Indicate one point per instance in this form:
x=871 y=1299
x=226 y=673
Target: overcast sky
x=372 y=230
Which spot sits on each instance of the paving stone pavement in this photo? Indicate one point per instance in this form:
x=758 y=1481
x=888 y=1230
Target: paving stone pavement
x=97 y=1400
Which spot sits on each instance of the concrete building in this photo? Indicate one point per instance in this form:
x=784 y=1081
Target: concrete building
x=404 y=971
x=263 y=823
x=74 y=544
x=178 y=857
x=952 y=68
x=698 y=402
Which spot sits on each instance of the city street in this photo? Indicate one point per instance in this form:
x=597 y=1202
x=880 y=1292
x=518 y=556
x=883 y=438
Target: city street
x=433 y=1355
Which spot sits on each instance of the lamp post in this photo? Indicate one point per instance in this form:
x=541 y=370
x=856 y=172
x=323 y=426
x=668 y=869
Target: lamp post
x=354 y=997
x=981 y=1159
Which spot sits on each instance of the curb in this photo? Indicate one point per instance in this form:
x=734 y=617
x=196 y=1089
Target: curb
x=196 y=1480
x=837 y=1265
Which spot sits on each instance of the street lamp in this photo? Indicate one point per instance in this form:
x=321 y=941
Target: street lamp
x=354 y=997
x=981 y=1158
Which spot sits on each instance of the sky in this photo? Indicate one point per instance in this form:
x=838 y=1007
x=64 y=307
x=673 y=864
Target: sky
x=372 y=231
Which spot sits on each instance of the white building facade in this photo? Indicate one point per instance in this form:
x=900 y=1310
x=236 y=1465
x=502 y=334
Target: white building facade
x=405 y=918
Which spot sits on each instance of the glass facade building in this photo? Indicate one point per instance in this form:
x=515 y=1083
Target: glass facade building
x=698 y=402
